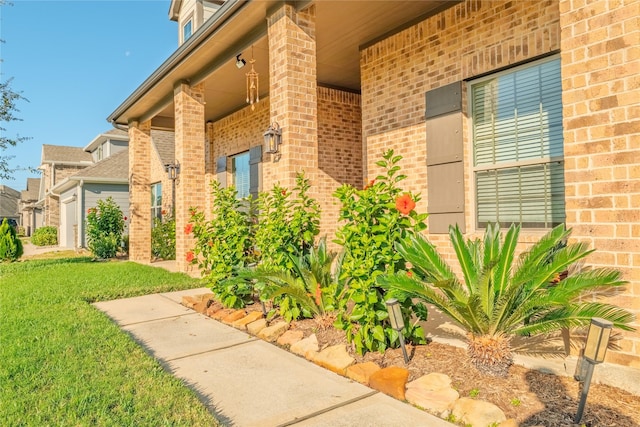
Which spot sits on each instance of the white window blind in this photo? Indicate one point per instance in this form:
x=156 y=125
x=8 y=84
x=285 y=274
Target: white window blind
x=240 y=167
x=518 y=146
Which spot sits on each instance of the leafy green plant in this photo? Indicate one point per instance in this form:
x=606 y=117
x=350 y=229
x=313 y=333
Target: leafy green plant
x=288 y=223
x=501 y=296
x=515 y=402
x=45 y=236
x=223 y=244
x=105 y=226
x=10 y=243
x=375 y=218
x=311 y=287
x=473 y=393
x=163 y=238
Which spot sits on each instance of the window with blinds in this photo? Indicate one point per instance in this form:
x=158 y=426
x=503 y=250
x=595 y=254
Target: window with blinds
x=156 y=201
x=241 y=174
x=518 y=146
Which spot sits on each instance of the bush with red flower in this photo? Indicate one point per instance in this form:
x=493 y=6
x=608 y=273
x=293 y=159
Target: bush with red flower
x=163 y=237
x=373 y=220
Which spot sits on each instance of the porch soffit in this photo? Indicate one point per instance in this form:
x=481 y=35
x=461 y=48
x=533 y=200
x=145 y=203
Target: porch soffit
x=342 y=27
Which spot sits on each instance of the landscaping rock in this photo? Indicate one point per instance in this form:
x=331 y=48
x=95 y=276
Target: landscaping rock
x=236 y=315
x=477 y=413
x=214 y=308
x=509 y=423
x=221 y=314
x=249 y=318
x=432 y=392
x=271 y=333
x=307 y=347
x=254 y=328
x=189 y=301
x=361 y=372
x=290 y=337
x=391 y=381
x=335 y=358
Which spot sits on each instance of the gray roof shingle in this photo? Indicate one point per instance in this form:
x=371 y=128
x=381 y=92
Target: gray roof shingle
x=64 y=154
x=32 y=192
x=164 y=142
x=113 y=167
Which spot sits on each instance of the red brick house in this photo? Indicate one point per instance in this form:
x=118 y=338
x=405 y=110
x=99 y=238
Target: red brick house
x=512 y=111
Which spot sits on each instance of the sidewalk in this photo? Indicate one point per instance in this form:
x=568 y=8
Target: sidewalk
x=245 y=381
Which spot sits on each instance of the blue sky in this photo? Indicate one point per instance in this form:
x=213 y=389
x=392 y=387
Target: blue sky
x=76 y=62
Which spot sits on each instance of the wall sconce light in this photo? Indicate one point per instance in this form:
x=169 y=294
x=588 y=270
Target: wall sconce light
x=173 y=170
x=239 y=61
x=594 y=351
x=272 y=138
x=397 y=323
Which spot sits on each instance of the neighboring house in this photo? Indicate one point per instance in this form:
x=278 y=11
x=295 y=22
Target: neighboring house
x=31 y=215
x=507 y=111
x=58 y=162
x=9 y=204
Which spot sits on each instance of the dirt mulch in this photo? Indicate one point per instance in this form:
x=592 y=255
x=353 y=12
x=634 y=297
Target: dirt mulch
x=530 y=397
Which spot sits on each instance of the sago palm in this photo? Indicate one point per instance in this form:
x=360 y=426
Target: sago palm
x=501 y=295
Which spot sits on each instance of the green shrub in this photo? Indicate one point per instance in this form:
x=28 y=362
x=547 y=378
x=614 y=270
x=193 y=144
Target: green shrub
x=20 y=231
x=375 y=218
x=10 y=243
x=288 y=223
x=163 y=238
x=105 y=226
x=223 y=244
x=45 y=236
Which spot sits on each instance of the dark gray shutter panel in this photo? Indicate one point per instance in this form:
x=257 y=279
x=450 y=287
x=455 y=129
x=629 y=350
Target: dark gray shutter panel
x=445 y=170
x=221 y=170
x=255 y=170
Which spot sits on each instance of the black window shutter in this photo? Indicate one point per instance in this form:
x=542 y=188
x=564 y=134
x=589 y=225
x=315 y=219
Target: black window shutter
x=221 y=170
x=255 y=170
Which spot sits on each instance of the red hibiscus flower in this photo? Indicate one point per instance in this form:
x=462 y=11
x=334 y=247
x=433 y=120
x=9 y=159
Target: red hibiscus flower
x=125 y=218
x=188 y=228
x=190 y=256
x=409 y=273
x=405 y=204
x=373 y=181
x=284 y=192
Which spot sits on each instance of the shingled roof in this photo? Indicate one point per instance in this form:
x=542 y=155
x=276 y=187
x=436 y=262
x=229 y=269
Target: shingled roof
x=114 y=167
x=32 y=192
x=63 y=154
x=164 y=142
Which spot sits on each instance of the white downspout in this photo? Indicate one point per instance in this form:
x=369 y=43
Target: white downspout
x=80 y=212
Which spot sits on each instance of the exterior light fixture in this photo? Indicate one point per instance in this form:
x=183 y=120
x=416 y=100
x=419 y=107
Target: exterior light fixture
x=173 y=170
x=397 y=323
x=272 y=138
x=239 y=61
x=594 y=351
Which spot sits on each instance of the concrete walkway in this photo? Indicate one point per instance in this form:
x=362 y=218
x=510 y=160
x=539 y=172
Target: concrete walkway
x=245 y=381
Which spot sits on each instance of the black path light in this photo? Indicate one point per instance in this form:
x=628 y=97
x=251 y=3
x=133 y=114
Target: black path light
x=397 y=323
x=594 y=351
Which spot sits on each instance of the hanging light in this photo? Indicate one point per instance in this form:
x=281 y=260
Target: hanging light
x=252 y=84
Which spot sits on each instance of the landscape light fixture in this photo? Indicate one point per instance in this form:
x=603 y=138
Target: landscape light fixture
x=239 y=61
x=397 y=323
x=594 y=351
x=272 y=138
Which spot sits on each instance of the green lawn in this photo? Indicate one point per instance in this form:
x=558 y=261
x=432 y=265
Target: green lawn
x=64 y=363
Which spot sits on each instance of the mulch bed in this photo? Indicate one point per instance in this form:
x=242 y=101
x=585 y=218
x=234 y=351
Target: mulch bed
x=530 y=397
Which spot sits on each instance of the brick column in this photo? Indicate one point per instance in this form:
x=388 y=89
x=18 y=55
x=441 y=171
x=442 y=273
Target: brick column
x=600 y=62
x=293 y=96
x=190 y=154
x=140 y=191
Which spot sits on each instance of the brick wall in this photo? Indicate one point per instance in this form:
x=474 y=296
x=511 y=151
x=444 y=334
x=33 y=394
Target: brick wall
x=139 y=191
x=190 y=153
x=600 y=53
x=339 y=151
x=477 y=37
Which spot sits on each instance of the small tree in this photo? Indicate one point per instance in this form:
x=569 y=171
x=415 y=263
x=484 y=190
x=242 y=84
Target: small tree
x=10 y=244
x=105 y=226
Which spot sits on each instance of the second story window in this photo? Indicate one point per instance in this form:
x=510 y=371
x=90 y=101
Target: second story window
x=187 y=30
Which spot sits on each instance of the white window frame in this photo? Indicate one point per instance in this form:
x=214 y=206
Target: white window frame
x=503 y=165
x=156 y=209
x=183 y=28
